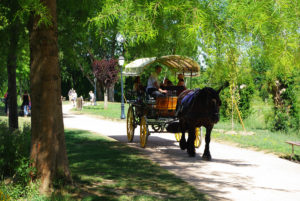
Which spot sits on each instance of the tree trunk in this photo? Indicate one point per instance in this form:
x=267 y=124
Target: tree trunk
x=111 y=93
x=100 y=92
x=11 y=71
x=48 y=149
x=105 y=98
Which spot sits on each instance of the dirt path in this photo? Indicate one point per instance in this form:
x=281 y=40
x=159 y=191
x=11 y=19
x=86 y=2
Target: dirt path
x=233 y=174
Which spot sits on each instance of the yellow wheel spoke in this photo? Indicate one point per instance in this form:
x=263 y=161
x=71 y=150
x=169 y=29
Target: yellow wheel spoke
x=178 y=136
x=198 y=137
x=143 y=132
x=130 y=122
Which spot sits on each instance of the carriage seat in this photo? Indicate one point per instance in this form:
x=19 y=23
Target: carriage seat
x=174 y=90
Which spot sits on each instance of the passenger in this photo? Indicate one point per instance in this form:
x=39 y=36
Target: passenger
x=167 y=83
x=180 y=80
x=180 y=84
x=137 y=86
x=153 y=87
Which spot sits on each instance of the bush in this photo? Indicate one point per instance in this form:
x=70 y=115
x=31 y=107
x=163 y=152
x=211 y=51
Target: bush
x=242 y=97
x=20 y=192
x=14 y=151
x=15 y=166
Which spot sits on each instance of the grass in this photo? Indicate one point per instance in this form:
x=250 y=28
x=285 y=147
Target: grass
x=3 y=117
x=108 y=170
x=113 y=110
x=263 y=139
x=104 y=169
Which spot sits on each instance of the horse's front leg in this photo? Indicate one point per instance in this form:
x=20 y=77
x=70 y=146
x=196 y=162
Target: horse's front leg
x=190 y=142
x=206 y=155
x=182 y=142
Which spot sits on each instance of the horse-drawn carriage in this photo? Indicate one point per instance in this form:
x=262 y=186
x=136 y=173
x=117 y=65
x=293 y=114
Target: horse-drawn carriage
x=154 y=115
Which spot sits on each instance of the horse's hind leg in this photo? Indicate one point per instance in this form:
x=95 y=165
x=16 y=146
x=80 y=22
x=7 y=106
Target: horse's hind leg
x=190 y=143
x=206 y=155
x=182 y=142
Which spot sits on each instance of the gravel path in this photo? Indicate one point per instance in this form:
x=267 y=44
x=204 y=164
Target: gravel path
x=233 y=174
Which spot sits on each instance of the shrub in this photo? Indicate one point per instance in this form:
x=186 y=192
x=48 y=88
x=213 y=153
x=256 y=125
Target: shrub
x=14 y=150
x=15 y=166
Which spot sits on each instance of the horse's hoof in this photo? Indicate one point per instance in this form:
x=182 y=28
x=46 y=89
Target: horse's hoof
x=192 y=153
x=182 y=146
x=206 y=157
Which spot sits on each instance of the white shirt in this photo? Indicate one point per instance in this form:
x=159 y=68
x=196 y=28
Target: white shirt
x=92 y=96
x=151 y=81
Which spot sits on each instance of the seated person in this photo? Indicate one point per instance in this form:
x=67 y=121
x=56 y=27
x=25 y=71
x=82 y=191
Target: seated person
x=166 y=83
x=137 y=86
x=180 y=84
x=180 y=80
x=153 y=87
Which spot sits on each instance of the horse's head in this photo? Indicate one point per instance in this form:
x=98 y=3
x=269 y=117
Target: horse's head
x=210 y=103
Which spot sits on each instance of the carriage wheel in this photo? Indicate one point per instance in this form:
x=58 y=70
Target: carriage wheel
x=143 y=132
x=178 y=136
x=198 y=138
x=130 y=124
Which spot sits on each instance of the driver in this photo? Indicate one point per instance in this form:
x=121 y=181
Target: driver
x=153 y=86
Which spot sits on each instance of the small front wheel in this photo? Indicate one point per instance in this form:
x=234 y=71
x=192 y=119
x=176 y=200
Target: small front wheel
x=178 y=136
x=144 y=132
x=198 y=137
x=130 y=124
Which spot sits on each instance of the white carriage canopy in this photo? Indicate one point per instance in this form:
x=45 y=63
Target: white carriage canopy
x=177 y=63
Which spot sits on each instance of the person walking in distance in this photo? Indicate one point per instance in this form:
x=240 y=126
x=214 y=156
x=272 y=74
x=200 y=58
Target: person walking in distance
x=25 y=104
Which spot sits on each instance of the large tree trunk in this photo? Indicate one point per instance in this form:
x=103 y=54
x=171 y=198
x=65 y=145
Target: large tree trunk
x=11 y=71
x=100 y=92
x=48 y=149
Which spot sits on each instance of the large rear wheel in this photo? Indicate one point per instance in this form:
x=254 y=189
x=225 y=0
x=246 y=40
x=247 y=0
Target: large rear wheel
x=144 y=132
x=130 y=124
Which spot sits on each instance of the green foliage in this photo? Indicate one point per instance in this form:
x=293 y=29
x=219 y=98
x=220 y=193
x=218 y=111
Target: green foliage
x=36 y=8
x=21 y=192
x=15 y=168
x=14 y=152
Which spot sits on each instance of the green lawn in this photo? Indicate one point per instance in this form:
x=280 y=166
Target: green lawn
x=108 y=170
x=261 y=140
x=113 y=110
x=104 y=169
x=3 y=117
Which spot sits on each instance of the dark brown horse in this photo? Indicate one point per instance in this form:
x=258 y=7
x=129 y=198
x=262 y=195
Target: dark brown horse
x=196 y=108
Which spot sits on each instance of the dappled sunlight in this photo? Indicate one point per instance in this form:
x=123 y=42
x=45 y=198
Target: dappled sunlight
x=115 y=165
